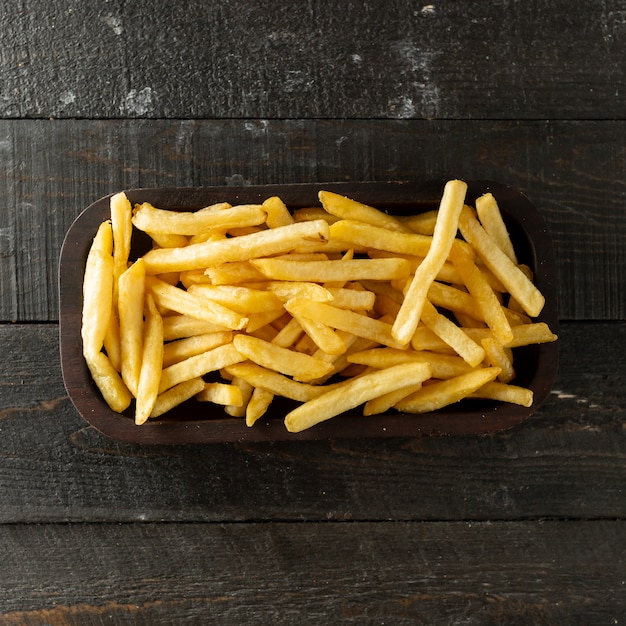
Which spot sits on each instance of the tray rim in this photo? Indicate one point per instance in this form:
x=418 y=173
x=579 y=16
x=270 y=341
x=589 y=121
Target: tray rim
x=497 y=418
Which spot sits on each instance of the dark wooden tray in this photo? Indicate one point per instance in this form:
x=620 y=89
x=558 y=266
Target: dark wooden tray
x=195 y=422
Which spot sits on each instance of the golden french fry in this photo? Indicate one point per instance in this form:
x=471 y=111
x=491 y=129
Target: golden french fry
x=237 y=298
x=380 y=238
x=350 y=394
x=277 y=213
x=108 y=381
x=301 y=367
x=122 y=227
x=351 y=209
x=278 y=384
x=354 y=299
x=221 y=393
x=491 y=219
x=483 y=295
x=291 y=290
x=513 y=279
x=342 y=270
x=97 y=291
x=131 y=289
x=151 y=363
x=443 y=236
x=243 y=248
x=181 y=326
x=505 y=393
x=176 y=395
x=160 y=221
x=453 y=335
x=523 y=335
x=443 y=393
x=258 y=405
x=441 y=365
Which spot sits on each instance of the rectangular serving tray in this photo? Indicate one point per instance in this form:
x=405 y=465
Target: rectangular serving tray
x=195 y=422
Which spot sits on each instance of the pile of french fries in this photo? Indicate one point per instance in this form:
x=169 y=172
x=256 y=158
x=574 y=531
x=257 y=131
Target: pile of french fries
x=334 y=306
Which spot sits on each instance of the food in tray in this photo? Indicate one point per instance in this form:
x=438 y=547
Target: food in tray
x=334 y=306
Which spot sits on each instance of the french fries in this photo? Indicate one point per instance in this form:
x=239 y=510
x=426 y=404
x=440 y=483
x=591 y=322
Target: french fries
x=332 y=307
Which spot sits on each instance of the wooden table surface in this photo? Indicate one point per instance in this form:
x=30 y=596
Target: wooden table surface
x=522 y=527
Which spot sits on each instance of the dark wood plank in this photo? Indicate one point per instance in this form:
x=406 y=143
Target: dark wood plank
x=573 y=171
x=469 y=60
x=567 y=461
x=366 y=573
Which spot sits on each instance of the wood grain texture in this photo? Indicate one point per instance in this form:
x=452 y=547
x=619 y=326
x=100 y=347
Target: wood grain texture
x=330 y=573
x=568 y=461
x=573 y=171
x=380 y=59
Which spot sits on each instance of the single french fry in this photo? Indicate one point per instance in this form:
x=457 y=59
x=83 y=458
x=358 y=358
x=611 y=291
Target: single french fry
x=161 y=221
x=443 y=393
x=468 y=349
x=484 y=296
x=277 y=213
x=351 y=209
x=441 y=365
x=513 y=279
x=351 y=393
x=180 y=326
x=289 y=290
x=243 y=248
x=342 y=270
x=301 y=367
x=380 y=238
x=443 y=237
x=131 y=289
x=505 y=393
x=121 y=225
x=151 y=363
x=221 y=393
x=353 y=299
x=244 y=300
x=491 y=219
x=278 y=384
x=108 y=381
x=258 y=405
x=97 y=291
x=176 y=395
x=523 y=335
